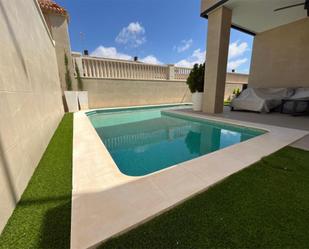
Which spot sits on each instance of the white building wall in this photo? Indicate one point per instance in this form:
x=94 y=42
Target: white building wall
x=30 y=97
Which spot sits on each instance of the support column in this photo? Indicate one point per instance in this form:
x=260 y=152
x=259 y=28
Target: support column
x=79 y=63
x=171 y=72
x=218 y=37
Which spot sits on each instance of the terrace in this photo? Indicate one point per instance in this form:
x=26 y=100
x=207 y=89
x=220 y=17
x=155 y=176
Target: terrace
x=243 y=185
x=274 y=119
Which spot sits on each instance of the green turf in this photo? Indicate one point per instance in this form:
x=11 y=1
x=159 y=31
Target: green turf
x=264 y=206
x=42 y=217
x=227 y=102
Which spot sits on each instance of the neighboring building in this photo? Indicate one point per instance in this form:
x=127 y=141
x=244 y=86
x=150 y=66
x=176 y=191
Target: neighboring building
x=57 y=19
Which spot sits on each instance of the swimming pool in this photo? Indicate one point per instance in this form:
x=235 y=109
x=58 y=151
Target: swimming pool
x=147 y=139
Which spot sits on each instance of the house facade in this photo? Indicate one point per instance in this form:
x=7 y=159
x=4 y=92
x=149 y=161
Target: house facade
x=280 y=51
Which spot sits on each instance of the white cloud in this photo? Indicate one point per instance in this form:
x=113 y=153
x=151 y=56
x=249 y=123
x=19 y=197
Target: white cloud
x=185 y=45
x=184 y=63
x=133 y=35
x=237 y=49
x=110 y=52
x=198 y=56
x=234 y=64
x=135 y=27
x=150 y=59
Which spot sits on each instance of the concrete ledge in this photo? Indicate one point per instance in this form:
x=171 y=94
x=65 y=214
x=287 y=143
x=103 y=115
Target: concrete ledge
x=106 y=203
x=302 y=144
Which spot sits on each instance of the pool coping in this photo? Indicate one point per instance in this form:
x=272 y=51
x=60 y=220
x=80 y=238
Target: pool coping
x=136 y=106
x=105 y=202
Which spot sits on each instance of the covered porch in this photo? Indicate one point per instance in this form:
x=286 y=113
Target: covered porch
x=280 y=51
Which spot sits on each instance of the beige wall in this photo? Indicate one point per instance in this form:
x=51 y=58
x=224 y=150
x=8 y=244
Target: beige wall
x=281 y=57
x=30 y=97
x=234 y=81
x=117 y=92
x=229 y=89
x=237 y=78
x=59 y=30
x=113 y=92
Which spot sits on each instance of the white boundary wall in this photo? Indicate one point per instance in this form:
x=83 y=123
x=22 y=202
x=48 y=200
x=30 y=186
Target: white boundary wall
x=30 y=97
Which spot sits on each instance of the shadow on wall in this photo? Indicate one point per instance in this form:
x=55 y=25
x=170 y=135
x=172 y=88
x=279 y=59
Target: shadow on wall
x=7 y=174
x=13 y=37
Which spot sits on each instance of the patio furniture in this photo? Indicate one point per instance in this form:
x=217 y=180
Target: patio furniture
x=260 y=99
x=298 y=103
x=295 y=105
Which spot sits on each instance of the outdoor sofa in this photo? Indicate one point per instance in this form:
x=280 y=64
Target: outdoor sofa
x=267 y=99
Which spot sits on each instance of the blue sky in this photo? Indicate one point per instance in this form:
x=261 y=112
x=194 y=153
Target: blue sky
x=157 y=31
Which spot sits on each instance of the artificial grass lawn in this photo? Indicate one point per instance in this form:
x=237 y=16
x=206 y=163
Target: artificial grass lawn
x=42 y=217
x=264 y=206
x=227 y=102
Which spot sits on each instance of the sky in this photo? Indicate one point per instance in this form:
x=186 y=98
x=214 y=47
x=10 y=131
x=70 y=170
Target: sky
x=157 y=31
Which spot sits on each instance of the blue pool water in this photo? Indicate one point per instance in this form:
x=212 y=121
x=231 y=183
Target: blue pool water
x=145 y=140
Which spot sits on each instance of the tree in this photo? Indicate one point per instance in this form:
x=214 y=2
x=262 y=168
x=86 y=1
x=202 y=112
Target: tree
x=236 y=92
x=195 y=80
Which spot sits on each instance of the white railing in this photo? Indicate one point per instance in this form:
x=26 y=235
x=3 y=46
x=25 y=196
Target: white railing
x=182 y=73
x=142 y=138
x=93 y=67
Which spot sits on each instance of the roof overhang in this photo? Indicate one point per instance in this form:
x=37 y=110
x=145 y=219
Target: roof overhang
x=256 y=16
x=49 y=6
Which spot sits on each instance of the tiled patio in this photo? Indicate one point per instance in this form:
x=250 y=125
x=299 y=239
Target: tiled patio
x=274 y=118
